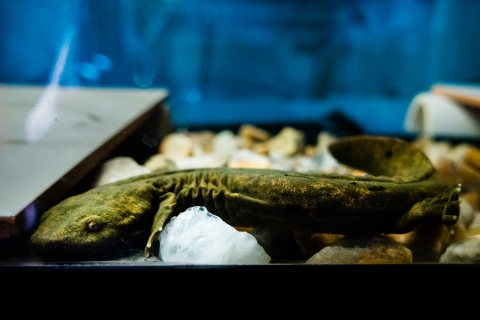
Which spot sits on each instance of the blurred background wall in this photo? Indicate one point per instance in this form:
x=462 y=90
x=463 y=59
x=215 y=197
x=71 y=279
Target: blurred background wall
x=257 y=61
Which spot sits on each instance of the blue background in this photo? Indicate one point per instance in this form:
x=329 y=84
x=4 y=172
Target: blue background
x=244 y=61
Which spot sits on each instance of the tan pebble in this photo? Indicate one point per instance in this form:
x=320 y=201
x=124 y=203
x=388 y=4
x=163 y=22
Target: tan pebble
x=474 y=231
x=473 y=198
x=202 y=140
x=434 y=150
x=254 y=133
x=472 y=156
x=289 y=141
x=351 y=250
x=262 y=148
x=454 y=172
x=249 y=135
x=309 y=151
x=177 y=145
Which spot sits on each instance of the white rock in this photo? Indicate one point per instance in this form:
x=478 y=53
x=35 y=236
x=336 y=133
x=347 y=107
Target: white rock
x=225 y=142
x=304 y=164
x=177 y=145
x=467 y=213
x=280 y=161
x=160 y=162
x=245 y=158
x=197 y=236
x=296 y=163
x=465 y=251
x=475 y=223
x=322 y=157
x=327 y=163
x=119 y=168
x=212 y=160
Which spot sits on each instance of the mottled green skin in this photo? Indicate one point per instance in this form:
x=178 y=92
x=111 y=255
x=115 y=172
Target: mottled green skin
x=406 y=194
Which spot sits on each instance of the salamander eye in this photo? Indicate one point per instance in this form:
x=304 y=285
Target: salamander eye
x=94 y=226
x=93 y=223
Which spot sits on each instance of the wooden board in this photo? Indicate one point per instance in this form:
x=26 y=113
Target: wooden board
x=86 y=124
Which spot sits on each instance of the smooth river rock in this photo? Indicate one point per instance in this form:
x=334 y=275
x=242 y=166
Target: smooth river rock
x=351 y=250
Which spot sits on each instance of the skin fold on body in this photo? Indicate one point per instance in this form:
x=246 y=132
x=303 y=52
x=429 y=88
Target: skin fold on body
x=402 y=192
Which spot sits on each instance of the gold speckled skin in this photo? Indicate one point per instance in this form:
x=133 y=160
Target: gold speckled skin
x=405 y=193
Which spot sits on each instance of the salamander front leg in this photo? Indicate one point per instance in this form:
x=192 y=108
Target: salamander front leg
x=444 y=208
x=166 y=209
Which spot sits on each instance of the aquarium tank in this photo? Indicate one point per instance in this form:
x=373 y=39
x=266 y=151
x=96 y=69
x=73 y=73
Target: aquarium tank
x=228 y=62
x=125 y=117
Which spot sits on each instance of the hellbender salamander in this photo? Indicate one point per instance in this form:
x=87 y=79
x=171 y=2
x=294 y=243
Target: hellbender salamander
x=403 y=192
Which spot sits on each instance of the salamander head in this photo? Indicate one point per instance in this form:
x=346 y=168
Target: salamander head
x=83 y=225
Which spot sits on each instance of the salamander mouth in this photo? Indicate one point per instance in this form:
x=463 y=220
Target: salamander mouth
x=58 y=251
x=59 y=246
x=51 y=250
